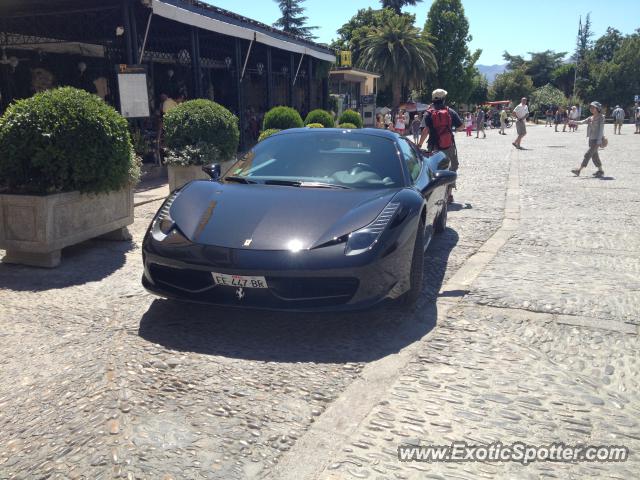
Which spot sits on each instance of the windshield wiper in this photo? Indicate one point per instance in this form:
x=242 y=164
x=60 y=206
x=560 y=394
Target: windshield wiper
x=298 y=183
x=237 y=179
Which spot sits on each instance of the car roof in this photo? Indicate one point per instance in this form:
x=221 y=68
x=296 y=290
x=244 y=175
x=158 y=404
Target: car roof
x=376 y=132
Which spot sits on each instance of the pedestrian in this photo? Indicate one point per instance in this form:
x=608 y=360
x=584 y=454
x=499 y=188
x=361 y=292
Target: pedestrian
x=521 y=112
x=415 y=128
x=557 y=118
x=468 y=123
x=618 y=119
x=549 y=115
x=400 y=125
x=574 y=116
x=565 y=119
x=503 y=121
x=387 y=119
x=595 y=133
x=440 y=121
x=636 y=112
x=480 y=117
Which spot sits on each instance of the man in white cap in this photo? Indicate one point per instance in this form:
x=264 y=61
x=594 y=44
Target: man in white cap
x=439 y=121
x=618 y=119
x=521 y=112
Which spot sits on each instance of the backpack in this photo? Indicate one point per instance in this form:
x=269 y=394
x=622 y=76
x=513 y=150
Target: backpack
x=441 y=121
x=619 y=114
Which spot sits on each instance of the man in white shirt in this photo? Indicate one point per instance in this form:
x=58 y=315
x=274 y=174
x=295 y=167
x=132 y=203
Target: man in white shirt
x=521 y=112
x=618 y=119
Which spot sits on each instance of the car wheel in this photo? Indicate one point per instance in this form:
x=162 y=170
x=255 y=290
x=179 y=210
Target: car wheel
x=410 y=298
x=441 y=221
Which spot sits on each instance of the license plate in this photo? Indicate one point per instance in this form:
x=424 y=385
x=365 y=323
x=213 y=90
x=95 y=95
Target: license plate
x=238 y=281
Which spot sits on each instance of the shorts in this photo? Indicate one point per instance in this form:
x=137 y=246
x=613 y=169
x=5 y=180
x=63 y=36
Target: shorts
x=618 y=122
x=521 y=127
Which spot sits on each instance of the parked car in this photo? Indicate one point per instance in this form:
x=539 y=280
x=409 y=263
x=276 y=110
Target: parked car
x=309 y=219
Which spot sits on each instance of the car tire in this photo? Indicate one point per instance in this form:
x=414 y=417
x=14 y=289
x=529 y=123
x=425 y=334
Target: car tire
x=440 y=224
x=410 y=298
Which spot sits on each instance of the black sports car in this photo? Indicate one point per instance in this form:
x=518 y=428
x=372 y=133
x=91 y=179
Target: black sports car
x=309 y=219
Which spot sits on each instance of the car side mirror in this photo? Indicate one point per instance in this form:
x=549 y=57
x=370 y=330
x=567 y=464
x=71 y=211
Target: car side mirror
x=444 y=177
x=213 y=170
x=438 y=161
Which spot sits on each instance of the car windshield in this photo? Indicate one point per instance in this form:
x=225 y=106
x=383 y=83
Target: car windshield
x=321 y=159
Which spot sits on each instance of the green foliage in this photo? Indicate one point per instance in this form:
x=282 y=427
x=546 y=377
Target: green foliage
x=267 y=133
x=65 y=140
x=320 y=116
x=352 y=34
x=511 y=86
x=316 y=125
x=400 y=52
x=544 y=97
x=349 y=116
x=282 y=118
x=607 y=45
x=292 y=19
x=201 y=127
x=563 y=77
x=396 y=5
x=448 y=28
x=348 y=125
x=333 y=103
x=479 y=90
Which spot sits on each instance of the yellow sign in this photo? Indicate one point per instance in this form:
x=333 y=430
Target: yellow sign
x=345 y=58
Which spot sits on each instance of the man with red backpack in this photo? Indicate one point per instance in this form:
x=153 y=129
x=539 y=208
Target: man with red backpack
x=440 y=121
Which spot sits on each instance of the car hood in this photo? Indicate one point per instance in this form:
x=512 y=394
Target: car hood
x=270 y=217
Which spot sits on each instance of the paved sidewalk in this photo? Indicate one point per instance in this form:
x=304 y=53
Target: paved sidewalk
x=149 y=191
x=526 y=329
x=543 y=349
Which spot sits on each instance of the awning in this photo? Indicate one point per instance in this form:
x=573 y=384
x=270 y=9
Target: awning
x=201 y=20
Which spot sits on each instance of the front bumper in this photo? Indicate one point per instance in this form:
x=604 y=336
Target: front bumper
x=323 y=279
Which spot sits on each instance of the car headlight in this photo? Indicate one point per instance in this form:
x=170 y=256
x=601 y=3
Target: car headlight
x=163 y=223
x=365 y=238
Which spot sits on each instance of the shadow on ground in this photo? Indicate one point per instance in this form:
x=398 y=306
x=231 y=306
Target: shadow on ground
x=90 y=261
x=294 y=337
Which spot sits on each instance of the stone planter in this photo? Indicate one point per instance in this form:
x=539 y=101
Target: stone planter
x=179 y=176
x=33 y=229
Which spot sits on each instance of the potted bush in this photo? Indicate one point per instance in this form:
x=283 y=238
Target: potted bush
x=197 y=133
x=347 y=125
x=267 y=133
x=67 y=169
x=315 y=125
x=282 y=118
x=350 y=116
x=320 y=116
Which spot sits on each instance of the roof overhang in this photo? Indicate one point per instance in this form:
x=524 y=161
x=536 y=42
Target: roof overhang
x=353 y=74
x=202 y=20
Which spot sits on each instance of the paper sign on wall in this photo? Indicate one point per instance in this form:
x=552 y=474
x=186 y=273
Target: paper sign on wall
x=134 y=94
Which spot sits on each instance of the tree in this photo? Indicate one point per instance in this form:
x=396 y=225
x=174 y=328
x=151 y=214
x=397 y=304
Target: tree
x=563 y=76
x=352 y=33
x=545 y=97
x=606 y=46
x=396 y=5
x=514 y=62
x=480 y=90
x=400 y=53
x=292 y=20
x=512 y=86
x=583 y=45
x=541 y=66
x=448 y=28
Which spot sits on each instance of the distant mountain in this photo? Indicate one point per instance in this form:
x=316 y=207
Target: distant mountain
x=490 y=71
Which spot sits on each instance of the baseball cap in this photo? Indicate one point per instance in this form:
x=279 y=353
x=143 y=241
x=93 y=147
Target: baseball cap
x=438 y=94
x=597 y=105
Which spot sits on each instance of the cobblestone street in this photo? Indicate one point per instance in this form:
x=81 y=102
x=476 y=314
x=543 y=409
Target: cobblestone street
x=527 y=330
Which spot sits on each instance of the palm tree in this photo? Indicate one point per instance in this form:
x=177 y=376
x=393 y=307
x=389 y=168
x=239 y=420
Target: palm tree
x=400 y=52
x=397 y=5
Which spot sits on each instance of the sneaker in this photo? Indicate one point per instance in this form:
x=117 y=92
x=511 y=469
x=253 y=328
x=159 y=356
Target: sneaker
x=599 y=174
x=576 y=172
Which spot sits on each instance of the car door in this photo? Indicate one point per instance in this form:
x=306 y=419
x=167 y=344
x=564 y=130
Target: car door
x=421 y=178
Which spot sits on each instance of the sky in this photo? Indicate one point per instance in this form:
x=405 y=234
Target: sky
x=518 y=27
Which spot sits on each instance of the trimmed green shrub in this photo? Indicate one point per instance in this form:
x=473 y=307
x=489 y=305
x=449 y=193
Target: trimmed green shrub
x=349 y=116
x=282 y=118
x=65 y=140
x=320 y=116
x=347 y=125
x=315 y=125
x=267 y=133
x=200 y=131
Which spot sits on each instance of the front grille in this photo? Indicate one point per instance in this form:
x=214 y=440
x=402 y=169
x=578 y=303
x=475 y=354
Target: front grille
x=283 y=292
